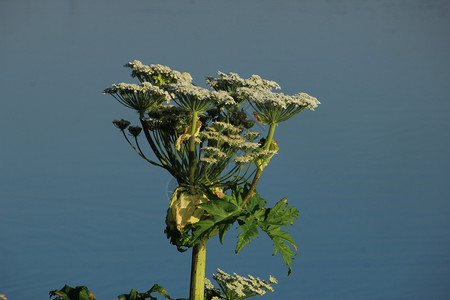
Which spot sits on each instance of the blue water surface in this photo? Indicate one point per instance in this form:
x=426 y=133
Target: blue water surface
x=368 y=170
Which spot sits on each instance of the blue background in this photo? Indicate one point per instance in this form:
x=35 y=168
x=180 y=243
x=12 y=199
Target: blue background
x=368 y=170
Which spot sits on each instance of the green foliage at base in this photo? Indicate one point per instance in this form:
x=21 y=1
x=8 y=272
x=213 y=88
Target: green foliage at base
x=135 y=295
x=70 y=293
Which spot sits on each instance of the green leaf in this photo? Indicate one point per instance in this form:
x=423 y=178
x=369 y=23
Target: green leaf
x=256 y=203
x=135 y=295
x=280 y=243
x=222 y=229
x=280 y=215
x=249 y=227
x=219 y=208
x=70 y=293
x=221 y=215
x=160 y=290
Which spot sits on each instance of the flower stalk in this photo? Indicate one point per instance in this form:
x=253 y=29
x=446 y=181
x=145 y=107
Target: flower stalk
x=266 y=147
x=192 y=156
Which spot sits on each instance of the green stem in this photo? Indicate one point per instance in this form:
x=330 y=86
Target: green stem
x=266 y=146
x=192 y=156
x=270 y=134
x=252 y=188
x=197 y=291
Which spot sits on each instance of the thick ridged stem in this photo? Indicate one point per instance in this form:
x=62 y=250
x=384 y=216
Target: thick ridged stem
x=197 y=290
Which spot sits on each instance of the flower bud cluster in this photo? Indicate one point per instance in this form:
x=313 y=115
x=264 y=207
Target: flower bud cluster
x=122 y=124
x=134 y=130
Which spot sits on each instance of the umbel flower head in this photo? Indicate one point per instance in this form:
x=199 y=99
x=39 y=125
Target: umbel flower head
x=195 y=98
x=157 y=74
x=140 y=97
x=274 y=108
x=231 y=81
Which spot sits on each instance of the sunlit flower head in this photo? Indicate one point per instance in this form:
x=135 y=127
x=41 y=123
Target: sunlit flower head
x=222 y=98
x=242 y=160
x=248 y=146
x=140 y=97
x=208 y=284
x=273 y=108
x=242 y=287
x=157 y=74
x=208 y=160
x=192 y=97
x=221 y=126
x=213 y=152
x=231 y=81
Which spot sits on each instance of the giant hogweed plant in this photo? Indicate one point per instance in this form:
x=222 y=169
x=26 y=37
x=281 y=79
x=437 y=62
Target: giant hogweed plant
x=206 y=140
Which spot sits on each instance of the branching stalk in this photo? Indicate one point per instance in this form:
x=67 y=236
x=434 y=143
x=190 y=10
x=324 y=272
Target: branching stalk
x=269 y=141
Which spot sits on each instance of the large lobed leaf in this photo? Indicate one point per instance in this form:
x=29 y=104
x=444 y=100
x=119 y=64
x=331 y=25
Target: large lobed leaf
x=270 y=220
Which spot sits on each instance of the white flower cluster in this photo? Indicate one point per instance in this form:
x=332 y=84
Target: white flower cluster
x=140 y=69
x=249 y=157
x=208 y=160
x=189 y=90
x=215 y=133
x=214 y=152
x=222 y=98
x=242 y=160
x=306 y=100
x=230 y=79
x=265 y=97
x=268 y=98
x=208 y=284
x=234 y=140
x=257 y=82
x=234 y=80
x=221 y=126
x=242 y=286
x=145 y=87
x=248 y=146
